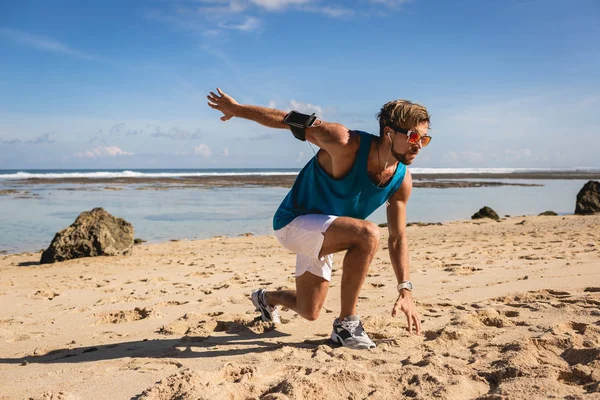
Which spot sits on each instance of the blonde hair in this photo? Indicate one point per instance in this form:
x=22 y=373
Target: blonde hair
x=401 y=114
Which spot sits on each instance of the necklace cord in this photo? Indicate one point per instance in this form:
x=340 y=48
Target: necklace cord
x=379 y=163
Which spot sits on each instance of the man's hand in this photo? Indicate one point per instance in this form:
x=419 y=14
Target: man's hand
x=224 y=103
x=406 y=305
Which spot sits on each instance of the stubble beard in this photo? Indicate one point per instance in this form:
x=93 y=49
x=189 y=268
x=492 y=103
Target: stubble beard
x=401 y=157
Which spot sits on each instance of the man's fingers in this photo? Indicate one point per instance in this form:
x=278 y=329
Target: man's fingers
x=410 y=324
x=396 y=308
x=220 y=91
x=417 y=323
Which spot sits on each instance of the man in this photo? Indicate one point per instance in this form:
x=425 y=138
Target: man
x=352 y=175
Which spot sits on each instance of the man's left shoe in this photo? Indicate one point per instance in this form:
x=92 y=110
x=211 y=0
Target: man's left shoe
x=267 y=313
x=350 y=333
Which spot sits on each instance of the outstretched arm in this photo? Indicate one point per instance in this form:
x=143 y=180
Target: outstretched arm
x=398 y=248
x=332 y=137
x=230 y=108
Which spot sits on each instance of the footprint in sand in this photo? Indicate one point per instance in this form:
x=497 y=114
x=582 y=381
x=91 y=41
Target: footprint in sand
x=203 y=325
x=45 y=294
x=119 y=317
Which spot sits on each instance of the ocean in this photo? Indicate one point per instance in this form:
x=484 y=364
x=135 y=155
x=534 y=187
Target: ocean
x=32 y=211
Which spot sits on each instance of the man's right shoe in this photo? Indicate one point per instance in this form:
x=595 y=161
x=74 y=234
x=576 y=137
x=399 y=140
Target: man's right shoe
x=350 y=333
x=267 y=313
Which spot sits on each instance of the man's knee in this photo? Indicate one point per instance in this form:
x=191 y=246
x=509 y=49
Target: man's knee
x=309 y=311
x=311 y=315
x=369 y=235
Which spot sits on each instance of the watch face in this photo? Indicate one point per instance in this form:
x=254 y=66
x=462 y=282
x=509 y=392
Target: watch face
x=409 y=285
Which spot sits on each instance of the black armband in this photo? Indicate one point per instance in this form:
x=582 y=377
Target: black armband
x=298 y=123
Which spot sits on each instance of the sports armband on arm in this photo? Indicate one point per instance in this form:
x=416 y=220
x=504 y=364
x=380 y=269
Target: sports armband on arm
x=298 y=123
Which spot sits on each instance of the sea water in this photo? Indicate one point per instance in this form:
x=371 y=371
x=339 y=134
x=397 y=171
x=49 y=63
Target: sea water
x=29 y=224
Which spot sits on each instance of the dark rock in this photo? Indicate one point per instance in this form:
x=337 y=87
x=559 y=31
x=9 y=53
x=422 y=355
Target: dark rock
x=138 y=241
x=485 y=212
x=423 y=223
x=383 y=225
x=549 y=213
x=588 y=199
x=94 y=233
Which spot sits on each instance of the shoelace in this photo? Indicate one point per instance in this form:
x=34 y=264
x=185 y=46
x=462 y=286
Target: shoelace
x=353 y=327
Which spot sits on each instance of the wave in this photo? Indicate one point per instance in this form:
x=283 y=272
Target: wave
x=9 y=175
x=442 y=171
x=134 y=174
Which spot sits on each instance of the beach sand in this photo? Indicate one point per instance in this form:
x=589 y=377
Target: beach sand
x=510 y=309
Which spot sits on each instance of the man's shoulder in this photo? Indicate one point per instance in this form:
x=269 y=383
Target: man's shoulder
x=357 y=137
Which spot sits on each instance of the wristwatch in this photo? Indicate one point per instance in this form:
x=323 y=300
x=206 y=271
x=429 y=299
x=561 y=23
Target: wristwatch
x=405 y=285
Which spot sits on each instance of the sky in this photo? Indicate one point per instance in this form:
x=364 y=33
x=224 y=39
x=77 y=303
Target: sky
x=123 y=84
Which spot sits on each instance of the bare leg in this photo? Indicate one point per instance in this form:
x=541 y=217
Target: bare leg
x=308 y=298
x=361 y=239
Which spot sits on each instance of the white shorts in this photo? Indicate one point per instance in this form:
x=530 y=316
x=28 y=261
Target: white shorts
x=304 y=236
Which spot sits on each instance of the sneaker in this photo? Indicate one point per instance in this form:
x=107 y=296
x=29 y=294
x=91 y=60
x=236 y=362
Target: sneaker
x=267 y=313
x=350 y=333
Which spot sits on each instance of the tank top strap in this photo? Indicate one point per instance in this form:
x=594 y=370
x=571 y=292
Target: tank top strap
x=363 y=151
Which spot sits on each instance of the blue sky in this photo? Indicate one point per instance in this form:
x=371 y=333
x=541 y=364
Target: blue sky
x=122 y=84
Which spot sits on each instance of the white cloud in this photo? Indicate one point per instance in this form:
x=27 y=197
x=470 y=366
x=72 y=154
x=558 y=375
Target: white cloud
x=517 y=154
x=226 y=152
x=277 y=5
x=300 y=156
x=233 y=6
x=272 y=104
x=176 y=133
x=43 y=43
x=212 y=33
x=333 y=12
x=471 y=157
x=110 y=151
x=221 y=56
x=202 y=150
x=44 y=138
x=390 y=3
x=337 y=12
x=248 y=25
x=117 y=128
x=306 y=108
x=264 y=136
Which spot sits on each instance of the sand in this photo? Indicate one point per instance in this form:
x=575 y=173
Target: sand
x=510 y=309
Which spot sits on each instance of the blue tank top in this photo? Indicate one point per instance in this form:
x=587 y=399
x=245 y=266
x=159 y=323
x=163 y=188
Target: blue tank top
x=355 y=195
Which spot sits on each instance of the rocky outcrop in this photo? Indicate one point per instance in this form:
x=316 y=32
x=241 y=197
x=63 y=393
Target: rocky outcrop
x=588 y=199
x=94 y=233
x=485 y=212
x=547 y=213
